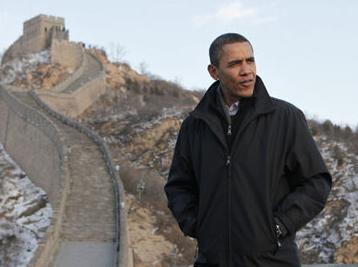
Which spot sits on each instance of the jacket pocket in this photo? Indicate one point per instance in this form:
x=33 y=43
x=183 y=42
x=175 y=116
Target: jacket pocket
x=272 y=227
x=188 y=226
x=275 y=233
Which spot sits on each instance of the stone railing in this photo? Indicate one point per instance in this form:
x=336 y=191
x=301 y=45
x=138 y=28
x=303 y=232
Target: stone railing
x=123 y=256
x=9 y=53
x=78 y=101
x=74 y=76
x=31 y=147
x=73 y=103
x=93 y=71
x=33 y=117
x=58 y=104
x=30 y=115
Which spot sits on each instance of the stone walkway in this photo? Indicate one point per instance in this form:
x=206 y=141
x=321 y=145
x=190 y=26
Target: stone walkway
x=89 y=254
x=89 y=213
x=92 y=68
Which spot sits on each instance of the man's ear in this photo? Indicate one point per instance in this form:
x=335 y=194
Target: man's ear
x=213 y=72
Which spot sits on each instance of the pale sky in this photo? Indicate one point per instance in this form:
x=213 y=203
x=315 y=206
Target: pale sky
x=306 y=51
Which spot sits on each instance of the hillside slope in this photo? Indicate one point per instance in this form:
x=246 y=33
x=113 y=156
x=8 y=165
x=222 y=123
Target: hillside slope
x=139 y=117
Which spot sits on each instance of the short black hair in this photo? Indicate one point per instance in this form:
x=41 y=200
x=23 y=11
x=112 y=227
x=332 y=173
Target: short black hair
x=217 y=45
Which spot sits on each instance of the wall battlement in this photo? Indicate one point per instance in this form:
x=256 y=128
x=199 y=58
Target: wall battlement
x=43 y=17
x=38 y=34
x=26 y=131
x=44 y=136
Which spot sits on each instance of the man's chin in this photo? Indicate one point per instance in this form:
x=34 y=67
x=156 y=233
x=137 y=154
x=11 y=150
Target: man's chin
x=246 y=94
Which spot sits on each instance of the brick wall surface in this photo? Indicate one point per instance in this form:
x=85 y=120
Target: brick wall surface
x=35 y=144
x=25 y=131
x=68 y=54
x=24 y=125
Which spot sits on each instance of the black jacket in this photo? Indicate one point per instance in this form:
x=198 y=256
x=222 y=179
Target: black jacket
x=225 y=190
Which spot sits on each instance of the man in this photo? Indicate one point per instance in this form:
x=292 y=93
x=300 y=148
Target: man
x=246 y=172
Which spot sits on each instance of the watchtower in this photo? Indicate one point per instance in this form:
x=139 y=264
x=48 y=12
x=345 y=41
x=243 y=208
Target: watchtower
x=39 y=32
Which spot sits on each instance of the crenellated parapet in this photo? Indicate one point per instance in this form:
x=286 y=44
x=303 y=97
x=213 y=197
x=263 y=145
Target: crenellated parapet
x=35 y=142
x=38 y=34
x=40 y=124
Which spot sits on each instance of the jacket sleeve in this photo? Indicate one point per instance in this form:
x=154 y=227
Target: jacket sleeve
x=181 y=187
x=307 y=176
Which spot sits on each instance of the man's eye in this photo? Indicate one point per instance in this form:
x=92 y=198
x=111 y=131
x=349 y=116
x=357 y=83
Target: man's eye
x=234 y=63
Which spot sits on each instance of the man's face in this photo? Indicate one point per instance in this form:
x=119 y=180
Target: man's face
x=236 y=71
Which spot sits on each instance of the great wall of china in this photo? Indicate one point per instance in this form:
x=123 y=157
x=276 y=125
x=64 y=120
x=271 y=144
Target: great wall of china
x=69 y=161
x=38 y=128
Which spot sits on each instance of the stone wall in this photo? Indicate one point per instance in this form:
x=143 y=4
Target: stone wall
x=24 y=132
x=34 y=142
x=124 y=256
x=74 y=103
x=23 y=47
x=68 y=54
x=4 y=119
x=38 y=34
x=14 y=51
x=75 y=75
x=38 y=31
x=37 y=136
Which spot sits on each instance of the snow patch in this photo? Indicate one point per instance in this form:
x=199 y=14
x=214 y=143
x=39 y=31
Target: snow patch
x=25 y=214
x=338 y=223
x=18 y=68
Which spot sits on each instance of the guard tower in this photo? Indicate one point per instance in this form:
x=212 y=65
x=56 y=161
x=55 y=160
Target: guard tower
x=39 y=32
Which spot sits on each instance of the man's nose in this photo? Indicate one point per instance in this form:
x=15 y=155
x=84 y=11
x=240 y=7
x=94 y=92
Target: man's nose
x=245 y=68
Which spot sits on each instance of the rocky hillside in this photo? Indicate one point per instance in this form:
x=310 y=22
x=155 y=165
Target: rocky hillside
x=25 y=214
x=333 y=235
x=139 y=117
x=33 y=71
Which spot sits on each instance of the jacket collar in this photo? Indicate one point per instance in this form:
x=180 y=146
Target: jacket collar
x=211 y=110
x=210 y=103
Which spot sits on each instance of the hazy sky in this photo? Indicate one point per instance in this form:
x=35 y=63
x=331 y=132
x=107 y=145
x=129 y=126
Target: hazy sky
x=306 y=51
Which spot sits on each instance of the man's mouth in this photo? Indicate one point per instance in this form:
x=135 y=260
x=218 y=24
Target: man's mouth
x=246 y=82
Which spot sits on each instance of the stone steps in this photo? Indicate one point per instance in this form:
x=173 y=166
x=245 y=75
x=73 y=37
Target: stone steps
x=89 y=212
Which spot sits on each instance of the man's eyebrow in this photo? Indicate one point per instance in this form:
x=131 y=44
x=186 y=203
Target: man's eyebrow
x=238 y=61
x=235 y=61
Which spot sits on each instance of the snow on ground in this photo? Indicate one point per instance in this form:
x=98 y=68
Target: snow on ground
x=25 y=214
x=17 y=68
x=338 y=222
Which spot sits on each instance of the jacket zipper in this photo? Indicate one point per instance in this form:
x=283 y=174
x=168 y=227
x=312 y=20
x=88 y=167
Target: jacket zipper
x=227 y=146
x=215 y=130
x=229 y=130
x=228 y=165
